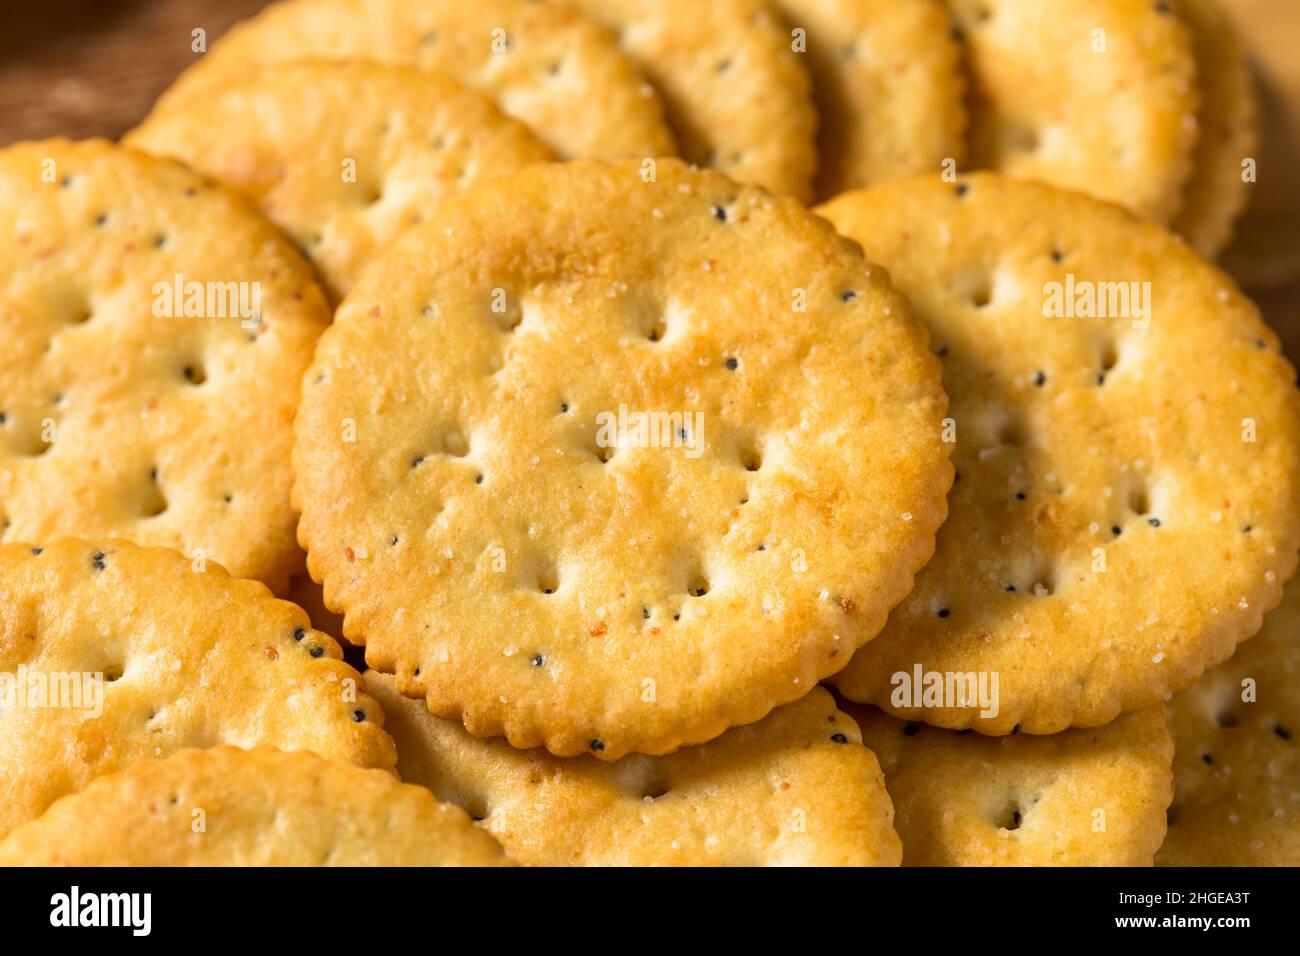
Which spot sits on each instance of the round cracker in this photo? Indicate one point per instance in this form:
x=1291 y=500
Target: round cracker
x=1216 y=193
x=889 y=86
x=120 y=414
x=1083 y=797
x=794 y=789
x=1094 y=95
x=1135 y=480
x=261 y=807
x=341 y=156
x=545 y=64
x=736 y=95
x=1237 y=755
x=499 y=539
x=184 y=655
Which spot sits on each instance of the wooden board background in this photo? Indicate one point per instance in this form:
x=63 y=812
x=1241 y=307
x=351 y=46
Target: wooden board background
x=93 y=67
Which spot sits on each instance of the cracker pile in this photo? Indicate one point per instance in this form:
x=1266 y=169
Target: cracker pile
x=659 y=518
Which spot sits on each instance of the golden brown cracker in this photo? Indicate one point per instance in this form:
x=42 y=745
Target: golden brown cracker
x=1127 y=445
x=545 y=64
x=512 y=520
x=736 y=95
x=261 y=807
x=110 y=653
x=794 y=789
x=889 y=85
x=1217 y=191
x=1094 y=95
x=342 y=156
x=1083 y=797
x=1236 y=767
x=155 y=329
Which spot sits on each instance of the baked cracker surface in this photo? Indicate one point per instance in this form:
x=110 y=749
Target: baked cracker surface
x=1127 y=446
x=546 y=65
x=1236 y=769
x=341 y=155
x=486 y=495
x=736 y=94
x=1084 y=797
x=225 y=806
x=110 y=653
x=155 y=330
x=889 y=85
x=1095 y=95
x=794 y=789
x=1217 y=191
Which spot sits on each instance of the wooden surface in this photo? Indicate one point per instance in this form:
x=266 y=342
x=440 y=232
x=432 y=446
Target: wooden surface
x=93 y=67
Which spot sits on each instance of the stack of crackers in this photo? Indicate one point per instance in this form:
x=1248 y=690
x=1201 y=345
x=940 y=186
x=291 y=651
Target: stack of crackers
x=669 y=517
